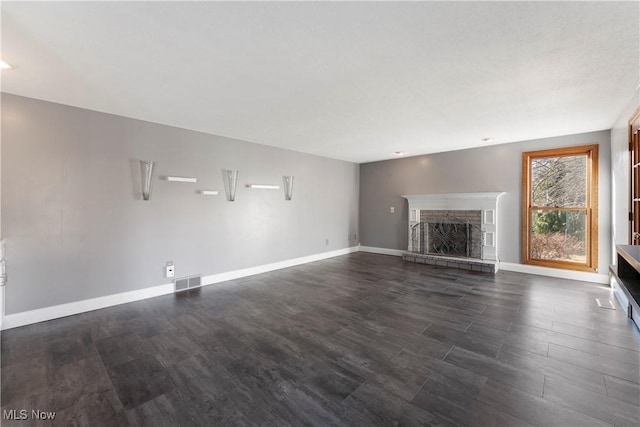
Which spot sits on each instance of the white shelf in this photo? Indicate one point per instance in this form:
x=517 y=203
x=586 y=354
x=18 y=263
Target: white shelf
x=181 y=179
x=264 y=186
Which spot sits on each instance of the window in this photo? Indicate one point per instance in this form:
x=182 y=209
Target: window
x=560 y=208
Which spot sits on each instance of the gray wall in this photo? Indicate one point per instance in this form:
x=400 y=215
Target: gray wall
x=77 y=229
x=492 y=168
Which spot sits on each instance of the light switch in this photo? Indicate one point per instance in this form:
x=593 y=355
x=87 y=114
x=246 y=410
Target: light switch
x=392 y=209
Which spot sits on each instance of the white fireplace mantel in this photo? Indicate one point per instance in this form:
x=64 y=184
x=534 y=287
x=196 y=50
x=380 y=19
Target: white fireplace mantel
x=487 y=203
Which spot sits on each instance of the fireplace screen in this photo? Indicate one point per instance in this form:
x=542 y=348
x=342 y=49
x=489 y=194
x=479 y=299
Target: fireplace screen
x=449 y=237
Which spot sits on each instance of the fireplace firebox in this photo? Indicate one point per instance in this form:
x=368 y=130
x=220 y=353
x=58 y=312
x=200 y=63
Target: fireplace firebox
x=449 y=233
x=456 y=230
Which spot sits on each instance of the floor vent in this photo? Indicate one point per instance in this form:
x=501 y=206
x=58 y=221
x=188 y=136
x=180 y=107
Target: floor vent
x=187 y=283
x=606 y=304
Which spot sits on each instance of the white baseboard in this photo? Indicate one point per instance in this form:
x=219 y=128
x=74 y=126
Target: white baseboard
x=583 y=276
x=54 y=312
x=382 y=251
x=1 y=306
x=77 y=307
x=236 y=274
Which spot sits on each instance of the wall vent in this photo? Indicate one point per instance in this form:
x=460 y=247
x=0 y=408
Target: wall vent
x=186 y=283
x=195 y=281
x=605 y=304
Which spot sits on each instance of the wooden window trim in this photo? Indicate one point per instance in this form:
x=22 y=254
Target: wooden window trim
x=591 y=206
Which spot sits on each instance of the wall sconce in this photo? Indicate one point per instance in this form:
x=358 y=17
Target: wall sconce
x=230 y=178
x=147 y=168
x=288 y=186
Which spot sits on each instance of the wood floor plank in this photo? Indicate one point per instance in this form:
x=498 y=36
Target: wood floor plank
x=554 y=337
x=163 y=411
x=596 y=363
x=509 y=338
x=100 y=410
x=458 y=405
x=39 y=400
x=115 y=350
x=368 y=401
x=488 y=416
x=532 y=382
x=618 y=353
x=23 y=379
x=533 y=409
x=464 y=340
x=448 y=400
x=139 y=380
x=79 y=380
x=436 y=369
x=623 y=390
x=553 y=368
x=403 y=381
x=604 y=408
x=624 y=338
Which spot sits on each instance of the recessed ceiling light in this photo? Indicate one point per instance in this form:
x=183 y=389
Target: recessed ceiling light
x=399 y=153
x=486 y=139
x=5 y=66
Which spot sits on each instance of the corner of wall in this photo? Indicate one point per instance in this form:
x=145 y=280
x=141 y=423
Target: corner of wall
x=1 y=235
x=620 y=174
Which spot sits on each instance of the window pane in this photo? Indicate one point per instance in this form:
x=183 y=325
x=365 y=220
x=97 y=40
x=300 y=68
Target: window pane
x=559 y=181
x=559 y=235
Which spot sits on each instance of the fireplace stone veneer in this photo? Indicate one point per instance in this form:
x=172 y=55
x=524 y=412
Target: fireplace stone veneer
x=478 y=210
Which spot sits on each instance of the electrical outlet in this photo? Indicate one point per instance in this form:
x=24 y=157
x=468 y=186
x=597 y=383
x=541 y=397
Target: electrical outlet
x=326 y=242
x=169 y=270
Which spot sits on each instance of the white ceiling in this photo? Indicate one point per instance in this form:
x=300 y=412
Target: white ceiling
x=351 y=81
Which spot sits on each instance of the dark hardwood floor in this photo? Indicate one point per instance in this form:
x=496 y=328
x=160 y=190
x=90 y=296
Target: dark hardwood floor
x=358 y=340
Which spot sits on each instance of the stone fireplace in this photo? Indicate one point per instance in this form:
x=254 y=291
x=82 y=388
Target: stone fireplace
x=456 y=230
